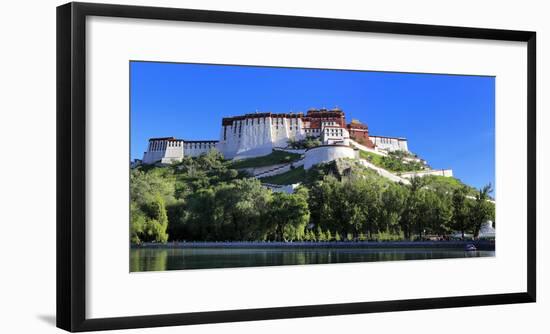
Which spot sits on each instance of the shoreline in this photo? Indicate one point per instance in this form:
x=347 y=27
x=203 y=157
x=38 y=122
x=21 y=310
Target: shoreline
x=485 y=245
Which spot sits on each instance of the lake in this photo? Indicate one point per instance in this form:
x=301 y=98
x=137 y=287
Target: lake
x=160 y=259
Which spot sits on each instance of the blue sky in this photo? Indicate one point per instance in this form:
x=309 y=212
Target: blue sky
x=449 y=120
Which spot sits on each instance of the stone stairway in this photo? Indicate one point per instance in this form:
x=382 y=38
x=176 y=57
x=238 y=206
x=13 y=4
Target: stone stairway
x=384 y=172
x=280 y=169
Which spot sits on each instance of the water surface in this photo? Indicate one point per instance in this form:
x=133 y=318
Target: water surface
x=160 y=259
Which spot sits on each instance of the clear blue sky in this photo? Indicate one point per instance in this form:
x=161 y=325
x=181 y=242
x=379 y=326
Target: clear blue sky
x=449 y=120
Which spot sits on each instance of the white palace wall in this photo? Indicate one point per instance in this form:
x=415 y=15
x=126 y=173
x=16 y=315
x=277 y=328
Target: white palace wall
x=163 y=150
x=196 y=148
x=169 y=150
x=245 y=138
x=390 y=143
x=252 y=137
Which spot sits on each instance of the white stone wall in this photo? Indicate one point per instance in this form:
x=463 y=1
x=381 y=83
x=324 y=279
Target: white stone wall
x=389 y=143
x=173 y=151
x=279 y=131
x=328 y=153
x=169 y=150
x=228 y=140
x=367 y=149
x=157 y=151
x=246 y=138
x=285 y=129
x=275 y=171
x=260 y=171
x=291 y=150
x=150 y=157
x=383 y=172
x=289 y=188
x=437 y=172
x=196 y=148
x=253 y=137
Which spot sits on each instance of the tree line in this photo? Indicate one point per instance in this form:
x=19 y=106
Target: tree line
x=204 y=199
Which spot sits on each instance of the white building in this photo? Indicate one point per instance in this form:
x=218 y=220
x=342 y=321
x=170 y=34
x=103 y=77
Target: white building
x=257 y=134
x=169 y=149
x=390 y=143
x=333 y=134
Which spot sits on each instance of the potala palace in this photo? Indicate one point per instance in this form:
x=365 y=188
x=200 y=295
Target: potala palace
x=259 y=134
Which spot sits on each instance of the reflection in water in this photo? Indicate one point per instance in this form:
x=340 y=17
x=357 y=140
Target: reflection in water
x=154 y=260
x=159 y=259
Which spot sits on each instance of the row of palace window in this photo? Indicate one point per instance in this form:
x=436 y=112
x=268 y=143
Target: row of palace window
x=274 y=120
x=161 y=145
x=240 y=129
x=385 y=140
x=158 y=146
x=199 y=145
x=333 y=132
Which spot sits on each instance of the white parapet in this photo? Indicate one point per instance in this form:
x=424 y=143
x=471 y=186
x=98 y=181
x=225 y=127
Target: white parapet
x=367 y=149
x=290 y=150
x=288 y=189
x=422 y=173
x=383 y=172
x=326 y=153
x=266 y=171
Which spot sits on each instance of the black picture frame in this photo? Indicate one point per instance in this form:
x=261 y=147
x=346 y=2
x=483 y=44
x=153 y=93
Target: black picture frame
x=71 y=166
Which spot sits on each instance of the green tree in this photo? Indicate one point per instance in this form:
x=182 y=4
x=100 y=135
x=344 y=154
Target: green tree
x=482 y=209
x=137 y=223
x=288 y=215
x=156 y=226
x=393 y=200
x=461 y=211
x=148 y=194
x=324 y=199
x=319 y=234
x=411 y=212
x=434 y=213
x=240 y=209
x=145 y=186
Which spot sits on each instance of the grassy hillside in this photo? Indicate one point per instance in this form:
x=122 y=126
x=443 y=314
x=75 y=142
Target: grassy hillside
x=393 y=162
x=447 y=184
x=276 y=157
x=339 y=168
x=292 y=176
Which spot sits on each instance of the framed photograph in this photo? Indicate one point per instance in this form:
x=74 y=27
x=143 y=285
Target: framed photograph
x=221 y=166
